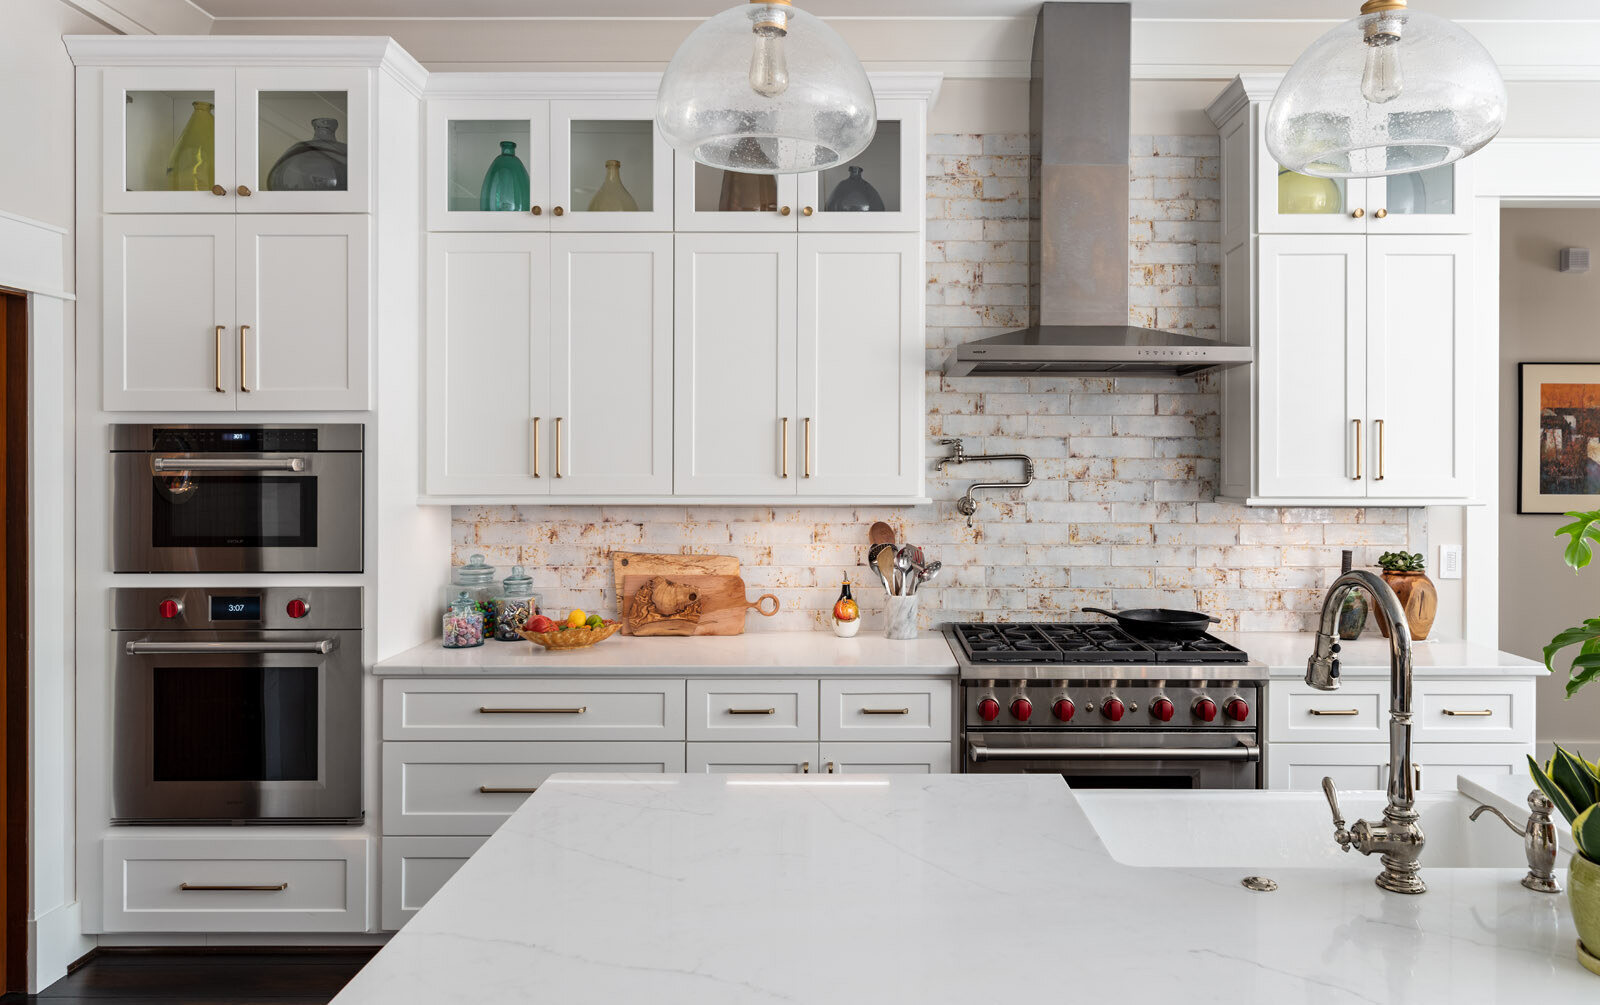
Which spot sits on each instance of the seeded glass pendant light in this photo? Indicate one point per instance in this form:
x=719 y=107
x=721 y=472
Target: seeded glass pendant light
x=765 y=88
x=1389 y=92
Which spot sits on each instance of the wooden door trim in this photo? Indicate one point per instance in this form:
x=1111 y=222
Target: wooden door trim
x=15 y=756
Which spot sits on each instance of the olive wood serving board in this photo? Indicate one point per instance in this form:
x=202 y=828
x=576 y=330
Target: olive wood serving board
x=722 y=603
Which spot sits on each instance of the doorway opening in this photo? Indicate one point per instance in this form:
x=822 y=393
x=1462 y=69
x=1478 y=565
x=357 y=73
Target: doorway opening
x=14 y=612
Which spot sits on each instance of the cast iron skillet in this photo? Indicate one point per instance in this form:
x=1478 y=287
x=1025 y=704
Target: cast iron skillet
x=1158 y=623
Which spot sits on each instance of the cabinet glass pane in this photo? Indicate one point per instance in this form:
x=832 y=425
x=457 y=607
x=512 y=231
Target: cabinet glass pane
x=301 y=141
x=476 y=179
x=719 y=191
x=870 y=183
x=613 y=165
x=170 y=141
x=1428 y=192
x=1302 y=194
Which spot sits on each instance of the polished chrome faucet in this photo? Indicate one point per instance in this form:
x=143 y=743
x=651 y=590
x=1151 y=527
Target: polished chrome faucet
x=1397 y=839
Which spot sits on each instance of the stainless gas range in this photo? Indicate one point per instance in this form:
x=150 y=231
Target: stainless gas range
x=1089 y=702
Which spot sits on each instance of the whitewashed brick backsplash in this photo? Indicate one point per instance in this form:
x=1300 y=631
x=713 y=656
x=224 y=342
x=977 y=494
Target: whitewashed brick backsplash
x=1122 y=512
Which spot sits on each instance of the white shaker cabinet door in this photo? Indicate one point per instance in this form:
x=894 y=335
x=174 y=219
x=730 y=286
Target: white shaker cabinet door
x=774 y=758
x=1312 y=364
x=1419 y=340
x=736 y=429
x=861 y=418
x=1302 y=766
x=304 y=312
x=488 y=352
x=170 y=339
x=611 y=364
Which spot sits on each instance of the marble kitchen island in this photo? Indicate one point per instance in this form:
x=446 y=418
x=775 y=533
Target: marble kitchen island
x=928 y=889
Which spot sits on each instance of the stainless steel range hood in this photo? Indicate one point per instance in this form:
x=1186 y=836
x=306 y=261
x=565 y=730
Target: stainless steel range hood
x=1079 y=120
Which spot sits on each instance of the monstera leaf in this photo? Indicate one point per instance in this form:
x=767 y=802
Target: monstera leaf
x=1584 y=528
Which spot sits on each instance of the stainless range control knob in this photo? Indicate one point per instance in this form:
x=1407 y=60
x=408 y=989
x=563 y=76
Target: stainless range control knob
x=1063 y=709
x=1205 y=709
x=1021 y=708
x=988 y=710
x=1112 y=708
x=1161 y=709
x=1237 y=708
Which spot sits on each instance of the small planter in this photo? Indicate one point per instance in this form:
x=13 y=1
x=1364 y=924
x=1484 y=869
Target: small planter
x=1418 y=597
x=1583 y=892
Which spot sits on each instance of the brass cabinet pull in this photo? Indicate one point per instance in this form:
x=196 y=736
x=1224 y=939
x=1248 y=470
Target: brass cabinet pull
x=1357 y=477
x=486 y=710
x=537 y=211
x=886 y=711
x=830 y=767
x=1469 y=711
x=807 y=432
x=806 y=212
x=1358 y=214
x=752 y=711
x=238 y=887
x=1380 y=214
x=217 y=349
x=805 y=767
x=783 y=211
x=497 y=789
x=1334 y=711
x=218 y=190
x=244 y=382
x=558 y=211
x=558 y=446
x=783 y=450
x=244 y=189
x=536 y=420
x=1380 y=450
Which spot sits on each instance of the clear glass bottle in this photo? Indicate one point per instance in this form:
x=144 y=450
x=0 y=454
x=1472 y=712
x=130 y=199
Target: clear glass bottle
x=476 y=578
x=463 y=623
x=515 y=606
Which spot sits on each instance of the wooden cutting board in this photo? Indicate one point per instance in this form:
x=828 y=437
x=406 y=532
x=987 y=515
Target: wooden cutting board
x=628 y=563
x=722 y=601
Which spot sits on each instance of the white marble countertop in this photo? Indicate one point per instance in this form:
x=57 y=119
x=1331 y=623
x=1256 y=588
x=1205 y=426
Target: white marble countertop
x=1286 y=653
x=820 y=654
x=709 y=889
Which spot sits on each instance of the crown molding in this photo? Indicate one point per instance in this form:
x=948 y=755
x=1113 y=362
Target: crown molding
x=238 y=50
x=626 y=84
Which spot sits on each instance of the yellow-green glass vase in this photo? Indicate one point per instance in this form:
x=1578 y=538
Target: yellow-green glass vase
x=193 y=159
x=1303 y=194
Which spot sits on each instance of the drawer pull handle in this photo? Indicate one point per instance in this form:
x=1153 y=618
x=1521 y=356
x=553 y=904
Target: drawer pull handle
x=234 y=887
x=886 y=711
x=486 y=710
x=752 y=711
x=1334 y=711
x=1469 y=711
x=495 y=789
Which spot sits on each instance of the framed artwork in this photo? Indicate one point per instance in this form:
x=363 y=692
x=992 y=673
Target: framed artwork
x=1558 y=439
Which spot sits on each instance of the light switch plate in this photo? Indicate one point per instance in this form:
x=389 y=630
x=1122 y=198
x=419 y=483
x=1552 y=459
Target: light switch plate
x=1449 y=561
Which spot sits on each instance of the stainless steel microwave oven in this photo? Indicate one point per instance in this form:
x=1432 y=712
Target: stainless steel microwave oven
x=215 y=498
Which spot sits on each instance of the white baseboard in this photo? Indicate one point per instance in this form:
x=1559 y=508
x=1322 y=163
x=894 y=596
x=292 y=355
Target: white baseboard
x=55 y=939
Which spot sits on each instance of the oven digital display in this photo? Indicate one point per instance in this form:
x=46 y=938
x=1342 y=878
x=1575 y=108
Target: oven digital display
x=236 y=608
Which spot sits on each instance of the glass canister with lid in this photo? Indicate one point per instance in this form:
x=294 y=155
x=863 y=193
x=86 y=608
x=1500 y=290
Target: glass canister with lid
x=463 y=623
x=476 y=579
x=515 y=606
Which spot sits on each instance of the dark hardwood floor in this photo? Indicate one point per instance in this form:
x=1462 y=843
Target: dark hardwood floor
x=141 y=977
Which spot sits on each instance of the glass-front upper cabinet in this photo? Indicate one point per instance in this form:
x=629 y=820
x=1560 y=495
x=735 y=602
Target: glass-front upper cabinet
x=208 y=140
x=875 y=190
x=709 y=198
x=1436 y=200
x=1432 y=201
x=489 y=165
x=610 y=169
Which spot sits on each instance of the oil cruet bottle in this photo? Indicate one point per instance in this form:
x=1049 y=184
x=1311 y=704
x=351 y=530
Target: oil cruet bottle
x=846 y=614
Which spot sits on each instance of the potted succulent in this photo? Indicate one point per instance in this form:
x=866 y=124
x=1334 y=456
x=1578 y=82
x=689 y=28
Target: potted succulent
x=1418 y=597
x=1572 y=783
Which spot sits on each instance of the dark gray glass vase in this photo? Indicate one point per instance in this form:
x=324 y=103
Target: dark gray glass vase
x=854 y=195
x=315 y=165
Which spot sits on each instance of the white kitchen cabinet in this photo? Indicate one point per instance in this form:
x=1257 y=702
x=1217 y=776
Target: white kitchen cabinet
x=904 y=711
x=698 y=198
x=848 y=758
x=586 y=136
x=414 y=868
x=893 y=164
x=464 y=136
x=543 y=709
x=765 y=710
x=773 y=758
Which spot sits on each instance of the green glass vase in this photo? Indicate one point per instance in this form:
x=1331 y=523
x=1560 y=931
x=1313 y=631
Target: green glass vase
x=194 y=158
x=505 y=185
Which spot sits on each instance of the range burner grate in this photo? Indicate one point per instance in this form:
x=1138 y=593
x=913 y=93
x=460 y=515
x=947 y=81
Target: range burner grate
x=1086 y=642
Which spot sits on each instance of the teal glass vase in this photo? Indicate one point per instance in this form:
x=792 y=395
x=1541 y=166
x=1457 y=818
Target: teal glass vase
x=505 y=184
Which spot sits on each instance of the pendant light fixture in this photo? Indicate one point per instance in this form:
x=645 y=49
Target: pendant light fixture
x=765 y=88
x=1388 y=92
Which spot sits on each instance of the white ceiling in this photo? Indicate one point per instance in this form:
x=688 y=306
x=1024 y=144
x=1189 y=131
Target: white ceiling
x=1156 y=9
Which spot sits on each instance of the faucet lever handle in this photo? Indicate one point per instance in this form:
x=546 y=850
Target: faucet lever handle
x=1339 y=833
x=1515 y=829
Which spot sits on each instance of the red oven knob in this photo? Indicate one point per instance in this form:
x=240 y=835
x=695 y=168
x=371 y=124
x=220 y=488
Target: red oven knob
x=1161 y=708
x=1237 y=708
x=1112 y=708
x=170 y=608
x=988 y=710
x=1063 y=709
x=1021 y=708
x=1205 y=709
x=297 y=608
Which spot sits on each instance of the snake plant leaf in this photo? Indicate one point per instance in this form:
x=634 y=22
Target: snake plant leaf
x=1548 y=786
x=1576 y=780
x=1586 y=832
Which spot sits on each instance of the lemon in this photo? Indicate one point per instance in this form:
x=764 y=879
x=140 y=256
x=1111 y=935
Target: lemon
x=577 y=619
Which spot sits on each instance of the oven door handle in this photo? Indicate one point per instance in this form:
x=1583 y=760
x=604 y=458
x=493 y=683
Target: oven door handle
x=978 y=753
x=161 y=465
x=319 y=646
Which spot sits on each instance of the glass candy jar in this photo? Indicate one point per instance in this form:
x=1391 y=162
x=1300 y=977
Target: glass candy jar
x=476 y=579
x=515 y=605
x=463 y=623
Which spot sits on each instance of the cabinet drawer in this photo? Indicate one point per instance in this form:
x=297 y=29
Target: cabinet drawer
x=414 y=868
x=1473 y=712
x=753 y=709
x=226 y=883
x=845 y=758
x=752 y=758
x=1302 y=766
x=1357 y=712
x=1440 y=764
x=533 y=710
x=887 y=710
x=470 y=788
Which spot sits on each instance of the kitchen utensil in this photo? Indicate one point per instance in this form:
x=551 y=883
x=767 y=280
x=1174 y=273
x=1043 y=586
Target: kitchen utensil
x=573 y=638
x=928 y=575
x=902 y=570
x=883 y=561
x=721 y=599
x=628 y=563
x=881 y=533
x=1159 y=623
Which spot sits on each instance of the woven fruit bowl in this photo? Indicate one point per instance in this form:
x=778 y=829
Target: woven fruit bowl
x=574 y=638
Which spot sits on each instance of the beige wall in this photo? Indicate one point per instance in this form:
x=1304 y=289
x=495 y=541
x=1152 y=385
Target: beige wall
x=1545 y=316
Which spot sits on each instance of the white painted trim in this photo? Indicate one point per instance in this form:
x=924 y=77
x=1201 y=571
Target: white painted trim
x=923 y=86
x=234 y=50
x=33 y=256
x=55 y=940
